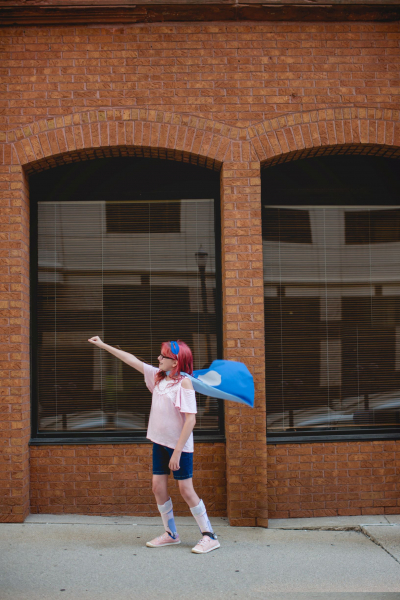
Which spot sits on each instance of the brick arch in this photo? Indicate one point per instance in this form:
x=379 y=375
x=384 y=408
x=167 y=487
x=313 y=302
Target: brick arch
x=331 y=131
x=131 y=132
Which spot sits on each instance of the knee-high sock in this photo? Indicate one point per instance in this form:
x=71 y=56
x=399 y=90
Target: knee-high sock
x=167 y=515
x=200 y=514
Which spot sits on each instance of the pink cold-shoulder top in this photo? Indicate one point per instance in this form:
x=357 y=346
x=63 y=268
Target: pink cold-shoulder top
x=169 y=404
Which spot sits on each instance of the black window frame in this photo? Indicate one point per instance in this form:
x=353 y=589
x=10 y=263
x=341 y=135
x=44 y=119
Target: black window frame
x=118 y=437
x=307 y=167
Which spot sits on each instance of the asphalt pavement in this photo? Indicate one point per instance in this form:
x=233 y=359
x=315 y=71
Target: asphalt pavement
x=74 y=557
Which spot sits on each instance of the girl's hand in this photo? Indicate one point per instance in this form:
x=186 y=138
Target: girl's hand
x=95 y=340
x=175 y=459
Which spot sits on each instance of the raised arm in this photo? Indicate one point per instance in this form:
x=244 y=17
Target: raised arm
x=127 y=358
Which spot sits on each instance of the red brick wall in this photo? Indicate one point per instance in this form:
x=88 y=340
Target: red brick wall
x=326 y=480
x=14 y=344
x=223 y=95
x=116 y=479
x=243 y=297
x=236 y=73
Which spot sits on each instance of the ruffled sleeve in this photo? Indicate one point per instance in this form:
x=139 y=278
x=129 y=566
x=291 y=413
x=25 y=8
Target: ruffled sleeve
x=149 y=376
x=186 y=400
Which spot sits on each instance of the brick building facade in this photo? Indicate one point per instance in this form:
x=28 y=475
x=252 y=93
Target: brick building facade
x=229 y=96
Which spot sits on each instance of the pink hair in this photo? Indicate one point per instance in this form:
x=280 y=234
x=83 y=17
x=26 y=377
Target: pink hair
x=184 y=358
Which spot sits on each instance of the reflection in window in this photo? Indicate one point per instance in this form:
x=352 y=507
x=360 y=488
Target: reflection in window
x=372 y=226
x=158 y=217
x=332 y=324
x=124 y=275
x=286 y=225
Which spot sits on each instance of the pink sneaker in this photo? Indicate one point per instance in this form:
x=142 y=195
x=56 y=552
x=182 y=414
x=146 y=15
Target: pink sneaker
x=206 y=544
x=163 y=540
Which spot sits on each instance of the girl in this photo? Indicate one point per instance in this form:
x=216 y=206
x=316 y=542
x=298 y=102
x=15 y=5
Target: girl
x=171 y=422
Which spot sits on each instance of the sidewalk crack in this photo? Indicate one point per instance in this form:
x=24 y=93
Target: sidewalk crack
x=378 y=543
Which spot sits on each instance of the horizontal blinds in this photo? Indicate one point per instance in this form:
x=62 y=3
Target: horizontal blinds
x=126 y=271
x=332 y=317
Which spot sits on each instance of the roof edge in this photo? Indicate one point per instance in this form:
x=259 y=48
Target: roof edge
x=125 y=12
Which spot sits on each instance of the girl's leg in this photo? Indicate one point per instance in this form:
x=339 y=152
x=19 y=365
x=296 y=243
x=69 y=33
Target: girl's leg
x=187 y=492
x=160 y=488
x=196 y=506
x=164 y=503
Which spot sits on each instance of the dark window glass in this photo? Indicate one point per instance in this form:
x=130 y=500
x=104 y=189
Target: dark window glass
x=126 y=272
x=286 y=225
x=332 y=329
x=372 y=227
x=159 y=217
x=332 y=305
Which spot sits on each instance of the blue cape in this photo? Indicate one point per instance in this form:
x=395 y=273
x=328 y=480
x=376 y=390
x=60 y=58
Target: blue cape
x=225 y=379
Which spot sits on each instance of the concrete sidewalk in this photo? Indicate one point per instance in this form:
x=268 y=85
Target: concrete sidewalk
x=78 y=557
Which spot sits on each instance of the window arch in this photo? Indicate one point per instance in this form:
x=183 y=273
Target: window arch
x=116 y=242
x=331 y=243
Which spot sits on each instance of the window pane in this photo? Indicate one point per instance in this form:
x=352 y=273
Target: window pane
x=160 y=217
x=125 y=271
x=287 y=225
x=375 y=227
x=332 y=318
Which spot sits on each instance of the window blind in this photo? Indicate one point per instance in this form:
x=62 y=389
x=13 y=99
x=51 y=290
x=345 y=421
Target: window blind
x=332 y=317
x=126 y=271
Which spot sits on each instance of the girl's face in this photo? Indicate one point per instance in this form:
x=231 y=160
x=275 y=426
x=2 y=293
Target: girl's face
x=166 y=363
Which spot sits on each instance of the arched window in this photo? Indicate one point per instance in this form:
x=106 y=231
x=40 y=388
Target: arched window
x=125 y=248
x=331 y=243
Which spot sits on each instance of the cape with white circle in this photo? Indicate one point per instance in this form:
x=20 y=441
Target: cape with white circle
x=226 y=380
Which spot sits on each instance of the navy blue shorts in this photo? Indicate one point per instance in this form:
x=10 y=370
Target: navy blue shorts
x=162 y=456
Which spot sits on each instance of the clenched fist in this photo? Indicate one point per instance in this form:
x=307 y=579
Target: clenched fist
x=95 y=340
